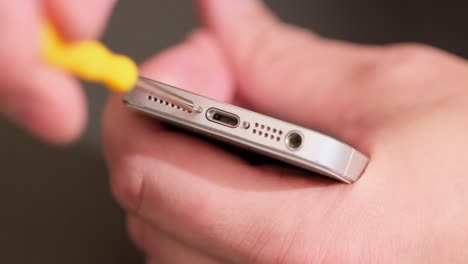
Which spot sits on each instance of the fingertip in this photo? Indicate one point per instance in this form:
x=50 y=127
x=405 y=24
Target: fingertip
x=80 y=19
x=197 y=65
x=230 y=19
x=19 y=39
x=49 y=105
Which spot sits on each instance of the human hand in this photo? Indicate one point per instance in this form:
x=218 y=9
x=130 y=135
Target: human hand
x=188 y=201
x=46 y=101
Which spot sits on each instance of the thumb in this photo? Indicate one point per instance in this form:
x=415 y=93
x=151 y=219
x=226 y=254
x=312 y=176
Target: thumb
x=341 y=89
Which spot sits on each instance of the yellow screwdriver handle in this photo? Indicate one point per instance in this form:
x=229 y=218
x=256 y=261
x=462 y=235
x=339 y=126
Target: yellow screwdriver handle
x=89 y=60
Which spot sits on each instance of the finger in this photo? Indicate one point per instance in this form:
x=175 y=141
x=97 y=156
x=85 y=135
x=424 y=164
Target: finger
x=196 y=65
x=205 y=197
x=200 y=194
x=342 y=89
x=80 y=19
x=44 y=101
x=18 y=47
x=162 y=247
x=48 y=104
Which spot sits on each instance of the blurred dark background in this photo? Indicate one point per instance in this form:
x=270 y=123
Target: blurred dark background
x=55 y=204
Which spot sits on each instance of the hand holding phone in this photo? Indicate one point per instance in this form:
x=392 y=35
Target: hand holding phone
x=260 y=133
x=190 y=201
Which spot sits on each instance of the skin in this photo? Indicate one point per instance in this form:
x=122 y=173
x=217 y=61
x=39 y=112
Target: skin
x=190 y=201
x=31 y=92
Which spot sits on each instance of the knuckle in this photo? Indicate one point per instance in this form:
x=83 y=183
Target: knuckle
x=406 y=62
x=401 y=59
x=412 y=54
x=398 y=66
x=277 y=57
x=258 y=54
x=269 y=51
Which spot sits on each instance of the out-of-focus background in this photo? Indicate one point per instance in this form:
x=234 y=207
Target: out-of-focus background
x=55 y=203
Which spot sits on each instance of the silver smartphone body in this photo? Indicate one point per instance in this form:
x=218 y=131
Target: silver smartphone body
x=275 y=138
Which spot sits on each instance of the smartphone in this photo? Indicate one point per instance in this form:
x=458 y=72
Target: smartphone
x=293 y=144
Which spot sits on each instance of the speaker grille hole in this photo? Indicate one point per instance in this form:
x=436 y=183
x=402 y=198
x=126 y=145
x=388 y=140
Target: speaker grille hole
x=166 y=103
x=267 y=132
